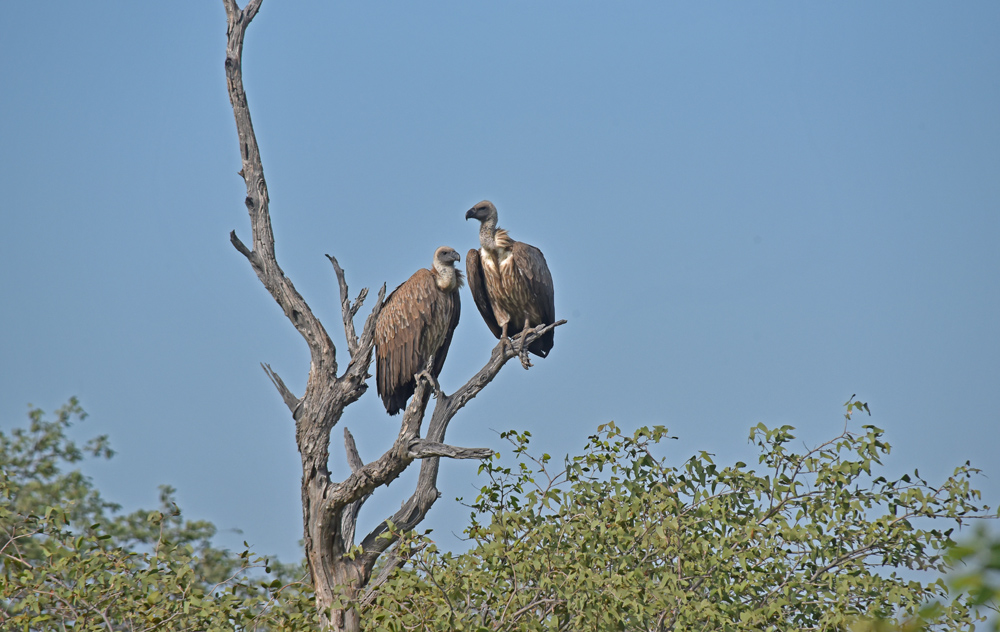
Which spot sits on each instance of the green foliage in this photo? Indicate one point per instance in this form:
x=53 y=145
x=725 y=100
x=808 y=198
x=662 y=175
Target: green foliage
x=977 y=561
x=70 y=562
x=613 y=539
x=618 y=539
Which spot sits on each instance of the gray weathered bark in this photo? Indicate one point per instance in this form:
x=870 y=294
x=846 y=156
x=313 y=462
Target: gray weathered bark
x=329 y=509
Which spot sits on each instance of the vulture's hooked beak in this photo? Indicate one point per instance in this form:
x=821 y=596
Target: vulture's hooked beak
x=469 y=214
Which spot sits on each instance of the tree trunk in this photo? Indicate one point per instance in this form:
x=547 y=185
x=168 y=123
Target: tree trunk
x=341 y=571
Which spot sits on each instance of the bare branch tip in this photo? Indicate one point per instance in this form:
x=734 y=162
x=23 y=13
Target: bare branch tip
x=351 y=448
x=358 y=302
x=240 y=246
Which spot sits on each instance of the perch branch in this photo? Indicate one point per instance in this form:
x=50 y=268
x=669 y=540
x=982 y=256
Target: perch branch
x=499 y=357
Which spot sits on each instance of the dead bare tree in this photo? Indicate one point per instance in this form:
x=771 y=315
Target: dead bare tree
x=341 y=570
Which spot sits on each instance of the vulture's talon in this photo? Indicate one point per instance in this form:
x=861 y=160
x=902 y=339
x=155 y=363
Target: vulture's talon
x=430 y=380
x=522 y=349
x=507 y=345
x=525 y=360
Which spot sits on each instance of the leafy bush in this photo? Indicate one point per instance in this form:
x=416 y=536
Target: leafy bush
x=69 y=561
x=618 y=539
x=613 y=539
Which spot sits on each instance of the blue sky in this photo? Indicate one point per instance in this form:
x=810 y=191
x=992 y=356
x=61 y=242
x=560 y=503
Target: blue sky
x=751 y=211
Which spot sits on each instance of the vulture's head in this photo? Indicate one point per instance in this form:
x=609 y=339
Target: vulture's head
x=482 y=211
x=449 y=278
x=445 y=256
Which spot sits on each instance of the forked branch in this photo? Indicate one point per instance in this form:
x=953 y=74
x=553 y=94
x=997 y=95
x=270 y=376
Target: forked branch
x=347 y=309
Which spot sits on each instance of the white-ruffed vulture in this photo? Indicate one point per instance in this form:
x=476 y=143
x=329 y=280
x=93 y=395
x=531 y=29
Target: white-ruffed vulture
x=416 y=323
x=510 y=282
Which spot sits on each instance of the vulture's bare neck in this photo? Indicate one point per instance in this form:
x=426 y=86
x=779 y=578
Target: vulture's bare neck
x=494 y=240
x=448 y=279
